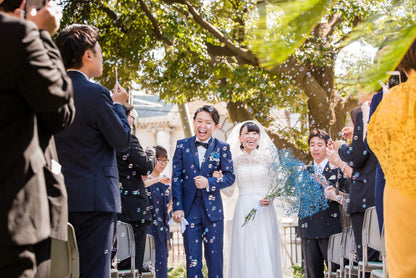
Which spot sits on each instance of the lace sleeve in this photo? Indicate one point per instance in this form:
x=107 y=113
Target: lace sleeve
x=391 y=136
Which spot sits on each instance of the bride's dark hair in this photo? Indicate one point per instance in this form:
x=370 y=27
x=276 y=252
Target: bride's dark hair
x=251 y=126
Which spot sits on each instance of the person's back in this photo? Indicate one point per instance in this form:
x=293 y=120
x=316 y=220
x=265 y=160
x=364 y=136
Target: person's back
x=34 y=88
x=86 y=154
x=87 y=150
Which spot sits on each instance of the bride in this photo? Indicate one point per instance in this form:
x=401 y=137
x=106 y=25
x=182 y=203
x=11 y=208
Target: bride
x=255 y=247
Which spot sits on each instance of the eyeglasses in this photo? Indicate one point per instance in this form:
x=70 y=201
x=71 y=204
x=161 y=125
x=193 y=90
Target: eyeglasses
x=132 y=117
x=163 y=161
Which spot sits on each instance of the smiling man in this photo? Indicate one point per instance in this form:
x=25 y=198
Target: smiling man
x=315 y=230
x=196 y=193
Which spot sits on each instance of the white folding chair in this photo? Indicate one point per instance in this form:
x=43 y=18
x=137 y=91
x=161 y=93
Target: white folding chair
x=65 y=257
x=349 y=252
x=334 y=254
x=149 y=257
x=125 y=249
x=381 y=273
x=370 y=238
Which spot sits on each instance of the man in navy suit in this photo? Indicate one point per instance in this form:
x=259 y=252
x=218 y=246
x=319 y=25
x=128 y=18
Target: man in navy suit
x=87 y=150
x=196 y=193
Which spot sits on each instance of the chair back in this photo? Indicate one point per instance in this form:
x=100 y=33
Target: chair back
x=349 y=246
x=373 y=235
x=126 y=247
x=334 y=251
x=149 y=253
x=64 y=256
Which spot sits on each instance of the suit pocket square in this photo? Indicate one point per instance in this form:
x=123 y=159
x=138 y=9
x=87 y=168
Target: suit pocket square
x=333 y=177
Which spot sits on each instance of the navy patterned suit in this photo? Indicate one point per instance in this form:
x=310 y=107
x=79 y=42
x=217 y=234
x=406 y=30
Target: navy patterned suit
x=203 y=208
x=159 y=197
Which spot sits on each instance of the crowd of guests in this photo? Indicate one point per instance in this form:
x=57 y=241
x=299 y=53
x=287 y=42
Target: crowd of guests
x=65 y=126
x=379 y=164
x=58 y=124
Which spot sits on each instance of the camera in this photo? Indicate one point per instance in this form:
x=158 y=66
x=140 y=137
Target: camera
x=34 y=4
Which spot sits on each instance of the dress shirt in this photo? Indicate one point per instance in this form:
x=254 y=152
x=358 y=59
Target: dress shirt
x=201 y=152
x=319 y=167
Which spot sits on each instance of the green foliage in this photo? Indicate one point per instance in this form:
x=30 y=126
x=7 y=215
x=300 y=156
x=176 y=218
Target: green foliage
x=283 y=26
x=387 y=23
x=180 y=272
x=297 y=271
x=391 y=31
x=202 y=50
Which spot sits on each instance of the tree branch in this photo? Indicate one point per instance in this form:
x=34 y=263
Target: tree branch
x=111 y=14
x=157 y=30
x=324 y=30
x=282 y=143
x=241 y=52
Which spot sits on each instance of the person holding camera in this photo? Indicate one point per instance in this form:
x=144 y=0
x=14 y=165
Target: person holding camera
x=315 y=230
x=36 y=100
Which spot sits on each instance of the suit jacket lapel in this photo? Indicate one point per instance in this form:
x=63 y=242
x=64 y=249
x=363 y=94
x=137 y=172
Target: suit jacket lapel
x=208 y=152
x=194 y=152
x=326 y=171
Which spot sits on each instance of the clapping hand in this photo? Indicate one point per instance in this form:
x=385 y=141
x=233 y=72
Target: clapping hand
x=164 y=180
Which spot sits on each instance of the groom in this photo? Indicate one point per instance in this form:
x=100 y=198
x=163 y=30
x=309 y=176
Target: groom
x=196 y=193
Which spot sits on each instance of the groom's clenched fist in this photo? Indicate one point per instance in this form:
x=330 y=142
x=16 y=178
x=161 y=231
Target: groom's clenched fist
x=201 y=182
x=177 y=215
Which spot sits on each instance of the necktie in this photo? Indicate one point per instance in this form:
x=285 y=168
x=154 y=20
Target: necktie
x=198 y=143
x=318 y=169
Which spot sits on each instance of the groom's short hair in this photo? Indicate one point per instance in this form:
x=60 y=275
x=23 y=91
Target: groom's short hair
x=211 y=110
x=319 y=133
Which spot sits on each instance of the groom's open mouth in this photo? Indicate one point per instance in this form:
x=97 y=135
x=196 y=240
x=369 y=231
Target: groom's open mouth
x=202 y=132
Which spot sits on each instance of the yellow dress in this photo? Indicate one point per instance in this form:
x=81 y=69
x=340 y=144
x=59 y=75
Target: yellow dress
x=391 y=135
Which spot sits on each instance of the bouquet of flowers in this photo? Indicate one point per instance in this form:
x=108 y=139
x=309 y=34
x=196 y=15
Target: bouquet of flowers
x=298 y=191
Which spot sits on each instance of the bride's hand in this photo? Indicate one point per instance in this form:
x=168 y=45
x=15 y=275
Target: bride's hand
x=264 y=202
x=217 y=174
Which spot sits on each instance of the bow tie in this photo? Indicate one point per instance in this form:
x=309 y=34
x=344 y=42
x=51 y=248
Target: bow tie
x=198 y=143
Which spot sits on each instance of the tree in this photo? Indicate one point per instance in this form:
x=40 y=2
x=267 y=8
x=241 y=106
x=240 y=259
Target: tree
x=187 y=49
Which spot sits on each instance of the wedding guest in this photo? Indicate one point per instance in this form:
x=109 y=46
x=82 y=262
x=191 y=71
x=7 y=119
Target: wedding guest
x=315 y=230
x=36 y=100
x=135 y=207
x=392 y=137
x=160 y=197
x=87 y=150
x=362 y=181
x=380 y=180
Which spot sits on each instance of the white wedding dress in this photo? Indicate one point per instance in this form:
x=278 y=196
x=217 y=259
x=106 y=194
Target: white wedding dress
x=255 y=248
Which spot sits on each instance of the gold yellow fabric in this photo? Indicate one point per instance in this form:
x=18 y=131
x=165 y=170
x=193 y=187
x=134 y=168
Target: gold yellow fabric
x=391 y=135
x=400 y=233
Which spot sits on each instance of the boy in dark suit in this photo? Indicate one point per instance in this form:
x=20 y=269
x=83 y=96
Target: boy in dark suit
x=196 y=193
x=87 y=150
